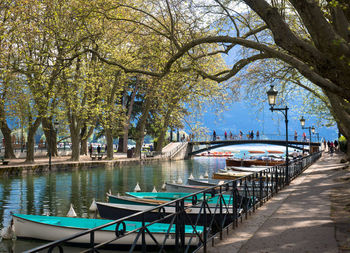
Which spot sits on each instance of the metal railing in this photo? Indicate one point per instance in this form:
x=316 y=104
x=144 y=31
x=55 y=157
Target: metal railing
x=218 y=208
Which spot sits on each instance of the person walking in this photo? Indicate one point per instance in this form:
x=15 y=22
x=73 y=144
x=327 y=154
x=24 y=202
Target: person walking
x=214 y=135
x=304 y=136
x=99 y=149
x=252 y=135
x=336 y=145
x=257 y=135
x=240 y=134
x=225 y=135
x=231 y=136
x=295 y=135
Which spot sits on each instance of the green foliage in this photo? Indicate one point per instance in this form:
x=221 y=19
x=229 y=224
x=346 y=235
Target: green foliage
x=343 y=144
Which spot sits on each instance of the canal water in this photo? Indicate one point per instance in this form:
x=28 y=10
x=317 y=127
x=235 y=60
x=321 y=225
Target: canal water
x=54 y=192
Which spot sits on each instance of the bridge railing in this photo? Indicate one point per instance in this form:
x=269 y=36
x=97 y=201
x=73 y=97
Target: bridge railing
x=222 y=137
x=197 y=219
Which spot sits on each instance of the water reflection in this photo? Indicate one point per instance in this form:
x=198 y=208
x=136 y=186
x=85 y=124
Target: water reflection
x=53 y=193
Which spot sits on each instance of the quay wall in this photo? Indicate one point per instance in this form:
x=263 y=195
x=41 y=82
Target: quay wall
x=40 y=167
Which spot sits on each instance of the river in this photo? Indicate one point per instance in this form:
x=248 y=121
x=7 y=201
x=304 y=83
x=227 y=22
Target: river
x=54 y=192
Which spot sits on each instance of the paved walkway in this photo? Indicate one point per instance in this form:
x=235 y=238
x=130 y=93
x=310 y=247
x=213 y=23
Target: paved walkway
x=298 y=219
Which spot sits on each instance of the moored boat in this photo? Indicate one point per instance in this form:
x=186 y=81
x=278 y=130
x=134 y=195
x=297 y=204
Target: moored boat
x=203 y=182
x=230 y=175
x=253 y=162
x=247 y=169
x=256 y=152
x=194 y=214
x=52 y=228
x=171 y=187
x=165 y=197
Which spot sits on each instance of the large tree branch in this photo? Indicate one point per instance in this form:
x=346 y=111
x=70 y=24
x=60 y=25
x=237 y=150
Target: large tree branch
x=283 y=36
x=324 y=36
x=302 y=67
x=227 y=74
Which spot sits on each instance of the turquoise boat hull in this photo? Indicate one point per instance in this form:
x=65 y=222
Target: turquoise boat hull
x=53 y=228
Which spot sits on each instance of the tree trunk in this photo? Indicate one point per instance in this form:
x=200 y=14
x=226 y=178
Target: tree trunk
x=128 y=118
x=162 y=133
x=109 y=138
x=75 y=137
x=31 y=141
x=141 y=128
x=51 y=137
x=75 y=128
x=121 y=145
x=6 y=132
x=83 y=147
x=83 y=141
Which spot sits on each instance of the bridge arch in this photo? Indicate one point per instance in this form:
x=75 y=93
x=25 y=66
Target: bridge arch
x=223 y=143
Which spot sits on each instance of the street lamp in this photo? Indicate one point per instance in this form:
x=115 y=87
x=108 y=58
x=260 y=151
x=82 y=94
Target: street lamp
x=272 y=96
x=302 y=123
x=314 y=132
x=55 y=125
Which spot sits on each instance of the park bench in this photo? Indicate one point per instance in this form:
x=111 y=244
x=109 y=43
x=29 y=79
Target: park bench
x=95 y=156
x=4 y=162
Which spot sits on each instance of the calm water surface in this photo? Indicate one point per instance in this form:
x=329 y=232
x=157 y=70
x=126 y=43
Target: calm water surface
x=54 y=192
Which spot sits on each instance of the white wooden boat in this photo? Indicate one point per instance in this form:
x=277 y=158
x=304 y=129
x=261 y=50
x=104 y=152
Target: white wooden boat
x=246 y=169
x=171 y=187
x=203 y=182
x=52 y=228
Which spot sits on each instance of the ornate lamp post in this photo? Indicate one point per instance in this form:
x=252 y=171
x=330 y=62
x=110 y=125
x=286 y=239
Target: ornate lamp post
x=317 y=134
x=302 y=123
x=271 y=96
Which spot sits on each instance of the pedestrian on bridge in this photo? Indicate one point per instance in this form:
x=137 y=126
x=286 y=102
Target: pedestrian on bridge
x=295 y=135
x=257 y=135
x=225 y=135
x=304 y=136
x=231 y=136
x=214 y=135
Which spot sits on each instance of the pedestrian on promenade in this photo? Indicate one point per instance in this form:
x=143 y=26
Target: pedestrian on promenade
x=295 y=154
x=324 y=144
x=225 y=135
x=328 y=145
x=240 y=134
x=331 y=148
x=214 y=135
x=249 y=135
x=304 y=136
x=257 y=135
x=295 y=135
x=99 y=149
x=231 y=136
x=252 y=135
x=336 y=145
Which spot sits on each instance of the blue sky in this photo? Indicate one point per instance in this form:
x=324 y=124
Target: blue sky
x=245 y=117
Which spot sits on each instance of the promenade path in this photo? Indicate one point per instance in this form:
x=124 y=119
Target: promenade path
x=312 y=214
